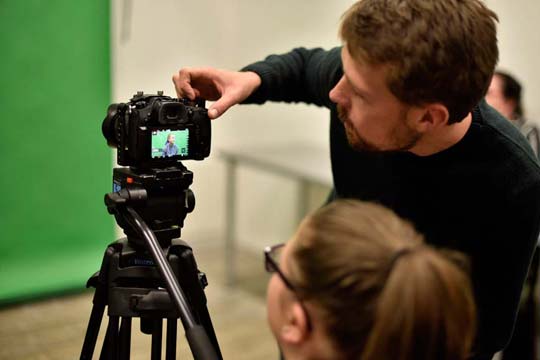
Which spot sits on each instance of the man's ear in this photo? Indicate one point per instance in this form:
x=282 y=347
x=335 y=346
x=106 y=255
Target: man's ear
x=430 y=117
x=296 y=329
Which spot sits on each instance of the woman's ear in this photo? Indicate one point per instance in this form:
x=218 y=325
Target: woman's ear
x=296 y=329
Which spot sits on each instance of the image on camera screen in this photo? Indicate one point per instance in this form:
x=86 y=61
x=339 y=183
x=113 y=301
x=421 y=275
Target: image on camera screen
x=167 y=143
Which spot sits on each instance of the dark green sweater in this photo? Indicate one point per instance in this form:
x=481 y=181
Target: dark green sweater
x=481 y=196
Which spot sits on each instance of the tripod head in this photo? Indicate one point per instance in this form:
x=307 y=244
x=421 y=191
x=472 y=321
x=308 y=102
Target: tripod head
x=160 y=196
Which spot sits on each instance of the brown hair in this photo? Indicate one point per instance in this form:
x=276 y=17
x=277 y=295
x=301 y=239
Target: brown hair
x=438 y=50
x=383 y=293
x=511 y=89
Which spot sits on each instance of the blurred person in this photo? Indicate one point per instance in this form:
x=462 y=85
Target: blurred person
x=409 y=129
x=505 y=94
x=357 y=282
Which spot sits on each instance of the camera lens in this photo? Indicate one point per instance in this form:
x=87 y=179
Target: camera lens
x=108 y=127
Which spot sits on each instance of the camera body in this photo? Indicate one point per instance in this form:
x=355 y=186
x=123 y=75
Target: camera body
x=157 y=131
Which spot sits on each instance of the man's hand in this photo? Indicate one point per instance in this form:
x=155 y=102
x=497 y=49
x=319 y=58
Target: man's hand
x=226 y=88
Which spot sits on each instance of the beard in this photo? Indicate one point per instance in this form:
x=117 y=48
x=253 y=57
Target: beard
x=401 y=138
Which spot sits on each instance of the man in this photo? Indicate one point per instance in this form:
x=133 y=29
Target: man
x=409 y=130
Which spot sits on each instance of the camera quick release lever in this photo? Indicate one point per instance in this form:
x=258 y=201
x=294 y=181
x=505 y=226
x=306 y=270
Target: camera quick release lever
x=125 y=197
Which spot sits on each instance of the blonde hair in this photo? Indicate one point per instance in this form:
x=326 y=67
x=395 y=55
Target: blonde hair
x=438 y=50
x=384 y=294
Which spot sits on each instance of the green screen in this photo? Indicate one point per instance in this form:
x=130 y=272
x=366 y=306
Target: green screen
x=56 y=166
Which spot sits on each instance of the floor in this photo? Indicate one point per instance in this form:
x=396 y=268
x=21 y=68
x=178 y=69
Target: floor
x=54 y=329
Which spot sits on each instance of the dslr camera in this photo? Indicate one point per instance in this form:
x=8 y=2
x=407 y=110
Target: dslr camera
x=157 y=131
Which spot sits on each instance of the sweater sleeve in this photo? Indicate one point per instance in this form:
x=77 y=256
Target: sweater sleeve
x=301 y=75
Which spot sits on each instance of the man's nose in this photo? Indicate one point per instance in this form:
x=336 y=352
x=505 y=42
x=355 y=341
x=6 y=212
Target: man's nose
x=336 y=93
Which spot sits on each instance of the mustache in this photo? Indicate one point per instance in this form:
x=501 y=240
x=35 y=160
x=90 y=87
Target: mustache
x=342 y=113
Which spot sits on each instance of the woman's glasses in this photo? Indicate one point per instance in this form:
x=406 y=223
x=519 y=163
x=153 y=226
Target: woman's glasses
x=272 y=257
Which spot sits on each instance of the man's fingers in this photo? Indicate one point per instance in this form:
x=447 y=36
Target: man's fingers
x=182 y=84
x=209 y=84
x=213 y=113
x=221 y=105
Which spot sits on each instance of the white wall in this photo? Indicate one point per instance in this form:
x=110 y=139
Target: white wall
x=519 y=45
x=153 y=39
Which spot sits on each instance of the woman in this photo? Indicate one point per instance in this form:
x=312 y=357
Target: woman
x=357 y=282
x=170 y=148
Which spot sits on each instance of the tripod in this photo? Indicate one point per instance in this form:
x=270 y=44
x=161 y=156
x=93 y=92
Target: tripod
x=136 y=270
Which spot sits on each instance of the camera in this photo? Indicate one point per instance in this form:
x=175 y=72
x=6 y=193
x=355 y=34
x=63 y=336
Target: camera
x=157 y=131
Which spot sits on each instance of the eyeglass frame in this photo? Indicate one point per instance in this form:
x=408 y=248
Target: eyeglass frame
x=271 y=267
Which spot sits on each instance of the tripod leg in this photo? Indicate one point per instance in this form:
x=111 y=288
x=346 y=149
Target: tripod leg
x=181 y=256
x=99 y=282
x=92 y=331
x=170 y=352
x=157 y=336
x=109 y=351
x=125 y=338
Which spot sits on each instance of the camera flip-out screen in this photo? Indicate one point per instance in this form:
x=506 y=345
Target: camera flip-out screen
x=167 y=143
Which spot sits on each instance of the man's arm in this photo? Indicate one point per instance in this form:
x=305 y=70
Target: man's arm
x=226 y=88
x=300 y=75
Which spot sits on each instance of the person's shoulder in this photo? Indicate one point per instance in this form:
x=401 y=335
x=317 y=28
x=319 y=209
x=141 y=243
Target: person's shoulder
x=513 y=161
x=503 y=135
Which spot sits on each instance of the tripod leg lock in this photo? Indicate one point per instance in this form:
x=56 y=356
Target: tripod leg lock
x=154 y=301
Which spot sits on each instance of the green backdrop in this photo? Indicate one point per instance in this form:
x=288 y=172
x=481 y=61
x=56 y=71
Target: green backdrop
x=55 y=165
